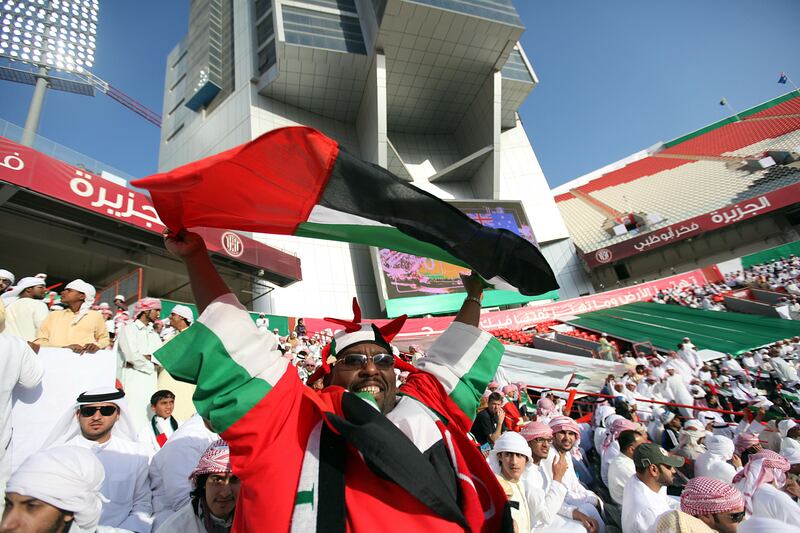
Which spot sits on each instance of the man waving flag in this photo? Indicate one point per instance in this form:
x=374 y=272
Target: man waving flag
x=297 y=181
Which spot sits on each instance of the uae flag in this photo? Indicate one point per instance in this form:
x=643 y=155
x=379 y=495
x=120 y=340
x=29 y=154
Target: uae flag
x=297 y=181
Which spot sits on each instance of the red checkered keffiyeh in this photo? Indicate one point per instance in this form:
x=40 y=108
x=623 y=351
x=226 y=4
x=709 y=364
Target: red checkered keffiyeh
x=618 y=426
x=147 y=304
x=744 y=441
x=215 y=460
x=705 y=495
x=762 y=468
x=535 y=430
x=566 y=423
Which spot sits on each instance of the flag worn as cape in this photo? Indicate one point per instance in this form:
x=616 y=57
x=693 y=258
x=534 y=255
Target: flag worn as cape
x=297 y=181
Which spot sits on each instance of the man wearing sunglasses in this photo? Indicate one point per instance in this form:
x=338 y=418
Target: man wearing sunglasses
x=717 y=504
x=99 y=421
x=361 y=454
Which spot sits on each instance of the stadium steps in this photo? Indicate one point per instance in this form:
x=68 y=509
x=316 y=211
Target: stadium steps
x=585 y=224
x=677 y=194
x=680 y=193
x=698 y=157
x=736 y=135
x=591 y=201
x=787 y=142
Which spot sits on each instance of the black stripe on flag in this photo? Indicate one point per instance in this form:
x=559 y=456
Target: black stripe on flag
x=366 y=190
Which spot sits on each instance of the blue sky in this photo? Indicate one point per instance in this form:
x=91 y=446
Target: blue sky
x=615 y=76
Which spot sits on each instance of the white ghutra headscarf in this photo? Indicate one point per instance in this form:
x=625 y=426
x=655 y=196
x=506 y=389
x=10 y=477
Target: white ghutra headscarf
x=66 y=477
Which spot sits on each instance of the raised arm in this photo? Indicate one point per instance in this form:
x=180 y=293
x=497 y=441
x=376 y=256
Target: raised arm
x=464 y=359
x=207 y=285
x=470 y=312
x=234 y=365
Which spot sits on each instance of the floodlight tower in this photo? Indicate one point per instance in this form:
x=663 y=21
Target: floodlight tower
x=49 y=34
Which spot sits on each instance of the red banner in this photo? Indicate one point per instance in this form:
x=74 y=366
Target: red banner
x=529 y=316
x=692 y=227
x=33 y=170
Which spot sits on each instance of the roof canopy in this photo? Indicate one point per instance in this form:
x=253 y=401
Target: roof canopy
x=666 y=325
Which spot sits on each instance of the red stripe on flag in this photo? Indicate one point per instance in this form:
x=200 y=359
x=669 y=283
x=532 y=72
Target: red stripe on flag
x=268 y=185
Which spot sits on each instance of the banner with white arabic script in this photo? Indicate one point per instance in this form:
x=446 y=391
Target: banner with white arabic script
x=423 y=330
x=693 y=227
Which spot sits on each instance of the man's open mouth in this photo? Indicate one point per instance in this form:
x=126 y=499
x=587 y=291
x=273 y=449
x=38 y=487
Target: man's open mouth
x=370 y=388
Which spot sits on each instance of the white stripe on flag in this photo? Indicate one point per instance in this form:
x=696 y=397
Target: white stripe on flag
x=256 y=352
x=454 y=353
x=325 y=215
x=304 y=517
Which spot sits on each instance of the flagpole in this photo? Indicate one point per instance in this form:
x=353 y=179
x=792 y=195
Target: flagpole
x=725 y=103
x=791 y=82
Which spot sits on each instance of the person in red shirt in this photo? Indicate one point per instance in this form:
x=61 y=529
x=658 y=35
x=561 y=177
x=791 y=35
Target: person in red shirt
x=513 y=420
x=360 y=455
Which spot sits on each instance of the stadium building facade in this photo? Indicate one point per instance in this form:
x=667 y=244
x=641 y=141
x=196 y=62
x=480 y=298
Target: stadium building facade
x=429 y=89
x=724 y=191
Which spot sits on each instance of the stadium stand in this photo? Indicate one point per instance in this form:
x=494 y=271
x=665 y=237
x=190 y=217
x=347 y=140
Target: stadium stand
x=695 y=174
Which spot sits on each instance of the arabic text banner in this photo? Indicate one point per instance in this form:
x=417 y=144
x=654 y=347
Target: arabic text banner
x=526 y=317
x=692 y=227
x=35 y=411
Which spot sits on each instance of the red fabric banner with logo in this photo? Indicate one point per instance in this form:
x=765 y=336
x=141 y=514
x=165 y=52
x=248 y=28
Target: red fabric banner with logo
x=30 y=169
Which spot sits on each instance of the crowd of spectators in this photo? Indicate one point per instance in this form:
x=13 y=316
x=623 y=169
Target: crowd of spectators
x=782 y=276
x=672 y=436
x=674 y=440
x=779 y=275
x=708 y=297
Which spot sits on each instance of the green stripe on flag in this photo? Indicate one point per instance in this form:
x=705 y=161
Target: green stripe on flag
x=470 y=388
x=790 y=396
x=225 y=390
x=303 y=497
x=448 y=303
x=380 y=236
x=275 y=321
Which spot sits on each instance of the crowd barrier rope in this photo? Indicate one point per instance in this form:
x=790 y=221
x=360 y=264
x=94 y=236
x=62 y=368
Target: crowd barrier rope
x=668 y=404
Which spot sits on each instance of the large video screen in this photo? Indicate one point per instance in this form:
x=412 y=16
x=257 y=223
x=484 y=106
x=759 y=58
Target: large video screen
x=407 y=278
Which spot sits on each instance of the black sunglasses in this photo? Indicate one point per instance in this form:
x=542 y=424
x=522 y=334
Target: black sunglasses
x=105 y=410
x=736 y=517
x=355 y=361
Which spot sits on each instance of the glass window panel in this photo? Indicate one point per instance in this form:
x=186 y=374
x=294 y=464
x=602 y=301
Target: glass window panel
x=262 y=6
x=498 y=10
x=322 y=30
x=266 y=58
x=265 y=30
x=515 y=68
x=342 y=5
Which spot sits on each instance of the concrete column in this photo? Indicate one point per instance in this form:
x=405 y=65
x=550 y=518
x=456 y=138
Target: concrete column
x=35 y=109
